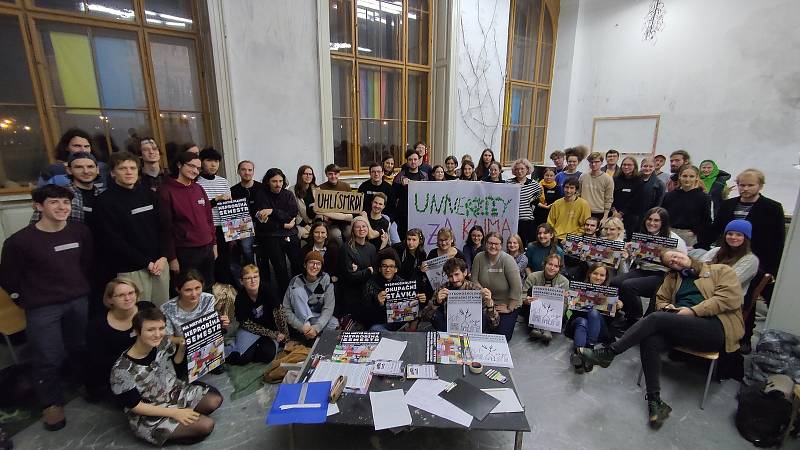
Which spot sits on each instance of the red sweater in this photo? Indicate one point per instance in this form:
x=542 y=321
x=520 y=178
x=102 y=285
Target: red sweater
x=185 y=216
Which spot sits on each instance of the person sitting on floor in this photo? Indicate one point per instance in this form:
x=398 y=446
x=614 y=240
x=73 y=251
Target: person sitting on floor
x=587 y=328
x=319 y=241
x=161 y=408
x=474 y=244
x=550 y=277
x=262 y=323
x=190 y=304
x=699 y=306
x=544 y=246
x=497 y=271
x=372 y=314
x=309 y=301
x=436 y=310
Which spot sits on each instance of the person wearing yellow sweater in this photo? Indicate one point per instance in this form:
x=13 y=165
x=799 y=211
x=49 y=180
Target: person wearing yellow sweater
x=597 y=187
x=568 y=214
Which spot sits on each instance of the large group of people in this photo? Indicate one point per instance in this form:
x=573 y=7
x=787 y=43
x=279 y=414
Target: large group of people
x=119 y=254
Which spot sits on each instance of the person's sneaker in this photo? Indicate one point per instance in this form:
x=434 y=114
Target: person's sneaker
x=535 y=334
x=658 y=412
x=53 y=418
x=547 y=337
x=588 y=367
x=576 y=361
x=234 y=358
x=597 y=356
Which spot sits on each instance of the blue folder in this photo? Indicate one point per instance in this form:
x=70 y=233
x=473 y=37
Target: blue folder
x=289 y=394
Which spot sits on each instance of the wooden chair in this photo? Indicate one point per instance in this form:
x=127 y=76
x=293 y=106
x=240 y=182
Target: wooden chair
x=712 y=357
x=12 y=320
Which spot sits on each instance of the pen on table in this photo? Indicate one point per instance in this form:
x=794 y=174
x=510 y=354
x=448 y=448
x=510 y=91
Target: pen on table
x=463 y=358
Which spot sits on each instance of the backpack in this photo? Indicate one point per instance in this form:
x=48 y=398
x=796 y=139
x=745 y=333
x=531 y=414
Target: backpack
x=763 y=414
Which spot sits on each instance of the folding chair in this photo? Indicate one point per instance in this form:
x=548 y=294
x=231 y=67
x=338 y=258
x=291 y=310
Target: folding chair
x=711 y=356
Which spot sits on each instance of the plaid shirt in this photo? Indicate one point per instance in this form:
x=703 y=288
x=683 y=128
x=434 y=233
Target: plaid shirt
x=77 y=214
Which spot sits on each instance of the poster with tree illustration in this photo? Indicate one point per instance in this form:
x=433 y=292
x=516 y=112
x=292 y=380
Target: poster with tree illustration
x=547 y=310
x=464 y=312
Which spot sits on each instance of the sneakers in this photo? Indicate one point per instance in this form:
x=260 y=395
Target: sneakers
x=658 y=411
x=53 y=418
x=536 y=334
x=576 y=361
x=546 y=337
x=597 y=356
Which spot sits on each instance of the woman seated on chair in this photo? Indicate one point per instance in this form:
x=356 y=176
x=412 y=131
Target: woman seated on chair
x=698 y=306
x=161 y=408
x=735 y=252
x=372 y=313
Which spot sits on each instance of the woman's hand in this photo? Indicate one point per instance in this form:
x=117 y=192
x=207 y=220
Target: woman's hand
x=289 y=225
x=185 y=416
x=264 y=214
x=422 y=298
x=225 y=320
x=528 y=300
x=501 y=308
x=424 y=267
x=486 y=294
x=382 y=297
x=281 y=337
x=306 y=328
x=311 y=333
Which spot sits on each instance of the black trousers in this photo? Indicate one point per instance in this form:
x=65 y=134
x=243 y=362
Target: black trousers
x=661 y=331
x=634 y=284
x=200 y=259
x=527 y=231
x=222 y=265
x=275 y=250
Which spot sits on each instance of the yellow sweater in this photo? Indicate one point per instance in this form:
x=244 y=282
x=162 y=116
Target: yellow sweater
x=568 y=217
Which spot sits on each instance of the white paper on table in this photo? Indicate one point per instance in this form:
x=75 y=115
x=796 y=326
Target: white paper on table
x=509 y=403
x=389 y=409
x=424 y=394
x=388 y=350
x=333 y=408
x=490 y=350
x=358 y=375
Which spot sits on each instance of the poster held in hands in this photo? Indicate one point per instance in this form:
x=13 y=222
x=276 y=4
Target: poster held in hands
x=338 y=201
x=594 y=250
x=236 y=220
x=584 y=296
x=464 y=312
x=435 y=272
x=547 y=310
x=205 y=347
x=402 y=304
x=648 y=247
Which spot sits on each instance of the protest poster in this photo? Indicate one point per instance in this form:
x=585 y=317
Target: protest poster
x=402 y=304
x=338 y=201
x=490 y=350
x=584 y=296
x=547 y=310
x=594 y=250
x=648 y=247
x=464 y=312
x=205 y=347
x=236 y=220
x=435 y=271
x=460 y=205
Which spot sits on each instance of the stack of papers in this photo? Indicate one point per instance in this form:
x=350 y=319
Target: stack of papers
x=389 y=409
x=424 y=394
x=388 y=350
x=358 y=375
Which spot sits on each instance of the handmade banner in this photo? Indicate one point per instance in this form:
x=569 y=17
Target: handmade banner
x=236 y=220
x=435 y=272
x=547 y=310
x=584 y=296
x=464 y=312
x=338 y=202
x=648 y=247
x=402 y=304
x=460 y=205
x=591 y=249
x=205 y=347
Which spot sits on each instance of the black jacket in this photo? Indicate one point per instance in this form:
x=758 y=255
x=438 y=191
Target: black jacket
x=238 y=191
x=284 y=209
x=628 y=195
x=769 y=230
x=653 y=191
x=689 y=210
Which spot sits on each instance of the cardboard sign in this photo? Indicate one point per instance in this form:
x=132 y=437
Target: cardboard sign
x=205 y=347
x=648 y=247
x=236 y=220
x=435 y=272
x=547 y=310
x=338 y=202
x=402 y=304
x=464 y=312
x=585 y=296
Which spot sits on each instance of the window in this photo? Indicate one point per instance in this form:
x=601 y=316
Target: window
x=104 y=69
x=530 y=68
x=380 y=83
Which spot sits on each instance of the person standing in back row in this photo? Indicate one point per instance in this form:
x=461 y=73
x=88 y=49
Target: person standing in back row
x=218 y=190
x=611 y=167
x=597 y=187
x=689 y=206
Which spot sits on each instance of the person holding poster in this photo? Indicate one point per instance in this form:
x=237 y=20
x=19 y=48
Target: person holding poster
x=699 y=306
x=436 y=310
x=372 y=313
x=568 y=214
x=497 y=271
x=589 y=328
x=218 y=189
x=161 y=408
x=549 y=277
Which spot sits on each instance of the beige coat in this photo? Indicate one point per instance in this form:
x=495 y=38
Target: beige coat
x=723 y=296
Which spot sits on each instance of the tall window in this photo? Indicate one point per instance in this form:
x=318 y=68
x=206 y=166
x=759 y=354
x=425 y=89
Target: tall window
x=380 y=78
x=530 y=68
x=118 y=69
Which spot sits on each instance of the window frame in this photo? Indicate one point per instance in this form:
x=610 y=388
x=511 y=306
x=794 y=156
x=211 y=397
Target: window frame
x=358 y=167
x=549 y=11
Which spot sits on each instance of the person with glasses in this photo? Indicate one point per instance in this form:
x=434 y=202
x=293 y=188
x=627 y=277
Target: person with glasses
x=262 y=323
x=309 y=301
x=374 y=185
x=112 y=333
x=372 y=313
x=151 y=174
x=186 y=224
x=303 y=191
x=497 y=271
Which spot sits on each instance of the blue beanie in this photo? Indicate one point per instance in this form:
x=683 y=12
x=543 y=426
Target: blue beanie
x=742 y=226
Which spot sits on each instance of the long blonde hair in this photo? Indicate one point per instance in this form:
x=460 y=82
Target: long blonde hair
x=352 y=241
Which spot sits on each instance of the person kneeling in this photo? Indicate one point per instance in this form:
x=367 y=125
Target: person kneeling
x=698 y=306
x=161 y=408
x=456 y=271
x=372 y=313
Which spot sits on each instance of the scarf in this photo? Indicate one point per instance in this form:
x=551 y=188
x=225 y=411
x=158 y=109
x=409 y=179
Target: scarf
x=548 y=185
x=709 y=180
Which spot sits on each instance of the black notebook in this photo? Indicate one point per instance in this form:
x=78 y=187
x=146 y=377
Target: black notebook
x=469 y=398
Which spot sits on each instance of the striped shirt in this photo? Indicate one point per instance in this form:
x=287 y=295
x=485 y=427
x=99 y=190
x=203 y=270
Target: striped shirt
x=529 y=192
x=214 y=187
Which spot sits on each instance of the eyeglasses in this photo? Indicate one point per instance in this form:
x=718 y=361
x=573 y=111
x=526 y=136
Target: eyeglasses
x=250 y=278
x=494 y=244
x=314 y=263
x=125 y=294
x=388 y=266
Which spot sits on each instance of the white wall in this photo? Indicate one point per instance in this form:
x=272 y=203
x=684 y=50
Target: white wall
x=723 y=74
x=274 y=82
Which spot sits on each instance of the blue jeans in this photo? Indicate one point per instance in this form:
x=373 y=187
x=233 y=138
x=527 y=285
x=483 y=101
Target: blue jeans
x=507 y=323
x=587 y=329
x=55 y=333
